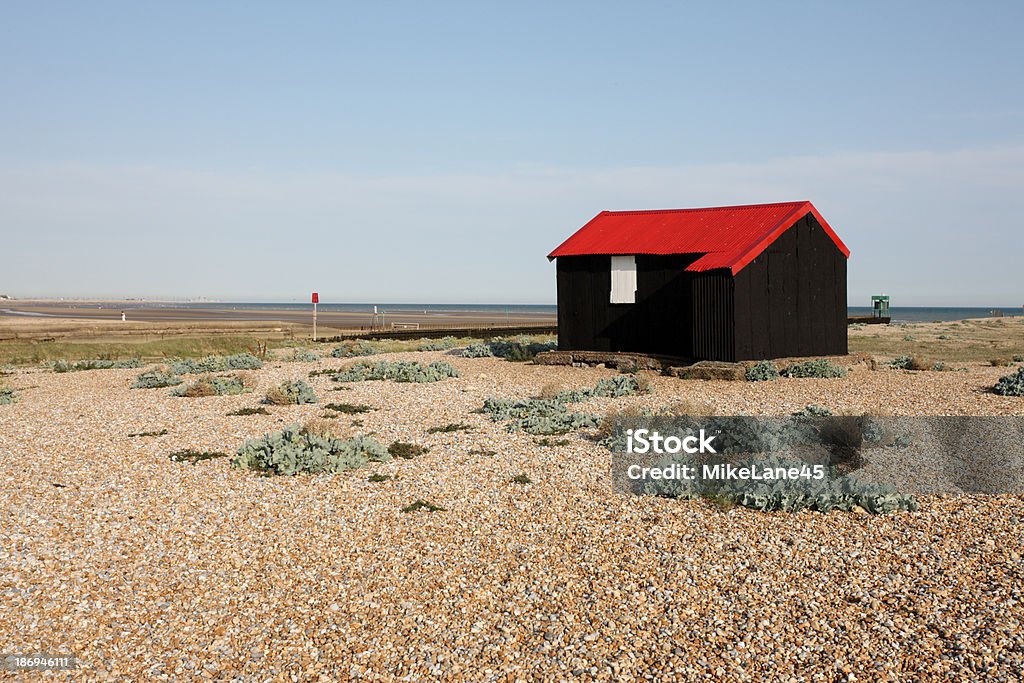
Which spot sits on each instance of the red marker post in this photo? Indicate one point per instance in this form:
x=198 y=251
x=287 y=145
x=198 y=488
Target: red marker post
x=316 y=300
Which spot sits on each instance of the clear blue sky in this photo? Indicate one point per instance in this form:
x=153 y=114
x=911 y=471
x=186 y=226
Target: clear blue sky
x=437 y=151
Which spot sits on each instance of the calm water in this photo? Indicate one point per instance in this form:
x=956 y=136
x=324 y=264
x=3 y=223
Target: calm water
x=899 y=313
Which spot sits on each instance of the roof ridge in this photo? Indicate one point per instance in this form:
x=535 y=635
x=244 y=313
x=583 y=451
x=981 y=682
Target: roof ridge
x=706 y=208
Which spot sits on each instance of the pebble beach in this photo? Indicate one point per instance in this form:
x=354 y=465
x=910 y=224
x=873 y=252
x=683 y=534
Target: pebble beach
x=148 y=569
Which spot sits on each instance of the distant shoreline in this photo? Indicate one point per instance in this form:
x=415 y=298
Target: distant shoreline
x=358 y=315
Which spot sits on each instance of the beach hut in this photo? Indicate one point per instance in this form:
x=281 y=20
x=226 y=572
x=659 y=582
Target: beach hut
x=725 y=283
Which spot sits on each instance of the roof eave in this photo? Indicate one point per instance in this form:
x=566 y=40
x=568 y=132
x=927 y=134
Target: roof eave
x=800 y=209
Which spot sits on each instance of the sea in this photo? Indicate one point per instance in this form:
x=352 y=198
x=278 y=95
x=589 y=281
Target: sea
x=898 y=313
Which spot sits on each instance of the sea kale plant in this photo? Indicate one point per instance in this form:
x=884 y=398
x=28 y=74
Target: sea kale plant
x=100 y=364
x=351 y=349
x=821 y=368
x=301 y=356
x=442 y=344
x=397 y=371
x=478 y=350
x=516 y=349
x=609 y=387
x=833 y=491
x=901 y=363
x=156 y=378
x=538 y=415
x=239 y=361
x=7 y=396
x=520 y=349
x=545 y=416
x=1011 y=385
x=762 y=371
x=768 y=448
x=813 y=410
x=293 y=451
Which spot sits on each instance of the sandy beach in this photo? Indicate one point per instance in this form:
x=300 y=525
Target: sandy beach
x=146 y=568
x=29 y=316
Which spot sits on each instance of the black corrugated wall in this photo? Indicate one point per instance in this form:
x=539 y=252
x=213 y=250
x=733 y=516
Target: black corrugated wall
x=660 y=321
x=791 y=299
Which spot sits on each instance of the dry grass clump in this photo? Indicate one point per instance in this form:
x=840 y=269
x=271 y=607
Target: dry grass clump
x=349 y=408
x=1000 y=362
x=684 y=408
x=405 y=450
x=643 y=384
x=222 y=385
x=278 y=396
x=919 y=363
x=690 y=408
x=449 y=428
x=607 y=428
x=203 y=387
x=550 y=390
x=193 y=456
x=296 y=392
x=322 y=427
x=421 y=504
x=250 y=411
x=162 y=432
x=247 y=377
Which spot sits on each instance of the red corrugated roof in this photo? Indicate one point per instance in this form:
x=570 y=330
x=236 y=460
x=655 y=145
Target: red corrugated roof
x=727 y=236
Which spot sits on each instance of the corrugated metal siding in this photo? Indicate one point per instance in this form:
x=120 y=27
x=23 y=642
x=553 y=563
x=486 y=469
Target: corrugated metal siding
x=659 y=322
x=713 y=317
x=791 y=300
